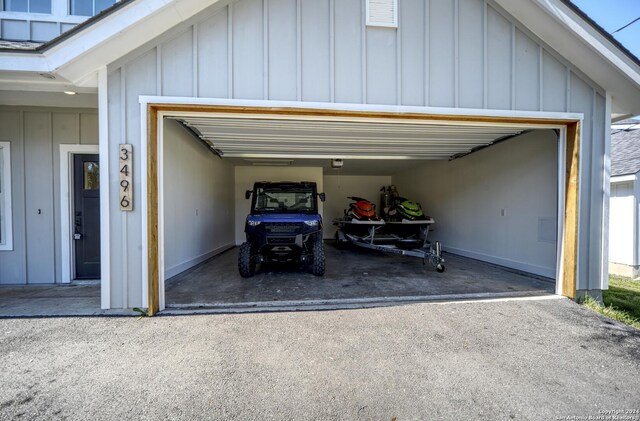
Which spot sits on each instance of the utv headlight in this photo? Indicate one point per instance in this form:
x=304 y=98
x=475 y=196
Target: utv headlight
x=311 y=223
x=253 y=223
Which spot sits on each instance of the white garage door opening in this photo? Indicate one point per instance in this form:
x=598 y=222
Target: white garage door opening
x=493 y=188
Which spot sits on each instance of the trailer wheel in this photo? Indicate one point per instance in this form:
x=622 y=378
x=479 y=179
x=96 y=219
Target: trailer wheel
x=246 y=265
x=318 y=266
x=440 y=268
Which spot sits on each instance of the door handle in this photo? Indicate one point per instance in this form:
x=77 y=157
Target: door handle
x=77 y=235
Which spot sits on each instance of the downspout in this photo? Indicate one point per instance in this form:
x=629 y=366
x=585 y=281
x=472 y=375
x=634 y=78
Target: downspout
x=635 y=270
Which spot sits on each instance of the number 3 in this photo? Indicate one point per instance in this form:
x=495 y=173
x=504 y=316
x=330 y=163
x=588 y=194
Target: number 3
x=125 y=153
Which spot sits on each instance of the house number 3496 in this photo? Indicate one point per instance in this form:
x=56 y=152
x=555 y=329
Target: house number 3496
x=126 y=177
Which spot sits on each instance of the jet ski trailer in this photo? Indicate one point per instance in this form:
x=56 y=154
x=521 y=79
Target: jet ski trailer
x=383 y=236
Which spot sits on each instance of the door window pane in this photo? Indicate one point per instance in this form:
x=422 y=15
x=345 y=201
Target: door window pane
x=91 y=176
x=82 y=7
x=40 y=6
x=89 y=7
x=16 y=5
x=33 y=6
x=103 y=4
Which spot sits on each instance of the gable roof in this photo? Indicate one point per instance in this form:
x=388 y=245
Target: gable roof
x=76 y=56
x=625 y=148
x=37 y=47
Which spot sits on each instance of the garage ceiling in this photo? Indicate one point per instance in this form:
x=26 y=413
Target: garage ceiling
x=262 y=138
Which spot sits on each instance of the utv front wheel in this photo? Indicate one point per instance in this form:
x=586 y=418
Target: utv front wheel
x=317 y=266
x=246 y=265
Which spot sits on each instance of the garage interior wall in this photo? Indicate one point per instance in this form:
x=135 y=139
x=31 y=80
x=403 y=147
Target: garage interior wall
x=498 y=204
x=36 y=134
x=198 y=200
x=247 y=175
x=466 y=54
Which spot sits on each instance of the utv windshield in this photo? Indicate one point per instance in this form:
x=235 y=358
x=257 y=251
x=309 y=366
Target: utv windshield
x=284 y=199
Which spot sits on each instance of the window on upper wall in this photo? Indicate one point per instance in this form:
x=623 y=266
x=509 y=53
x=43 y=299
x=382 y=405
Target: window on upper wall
x=89 y=7
x=6 y=231
x=382 y=13
x=29 y=6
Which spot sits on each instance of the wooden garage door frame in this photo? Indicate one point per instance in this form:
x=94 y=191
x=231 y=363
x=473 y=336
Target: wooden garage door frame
x=154 y=109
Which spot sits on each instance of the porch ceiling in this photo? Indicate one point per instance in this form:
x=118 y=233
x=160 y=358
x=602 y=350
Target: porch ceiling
x=283 y=137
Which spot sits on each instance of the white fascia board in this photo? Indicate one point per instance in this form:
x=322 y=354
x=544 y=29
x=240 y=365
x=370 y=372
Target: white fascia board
x=592 y=37
x=79 y=57
x=23 y=62
x=623 y=178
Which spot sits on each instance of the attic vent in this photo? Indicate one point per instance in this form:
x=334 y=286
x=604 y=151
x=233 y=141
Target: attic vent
x=382 y=13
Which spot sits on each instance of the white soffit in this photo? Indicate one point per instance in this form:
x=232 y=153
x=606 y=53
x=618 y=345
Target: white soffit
x=328 y=138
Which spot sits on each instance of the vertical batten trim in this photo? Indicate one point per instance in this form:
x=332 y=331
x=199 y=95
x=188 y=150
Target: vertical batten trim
x=158 y=69
x=513 y=66
x=363 y=48
x=299 y=50
x=398 y=58
x=194 y=43
x=456 y=58
x=592 y=174
x=123 y=215
x=230 y=50
x=105 y=219
x=24 y=194
x=485 y=47
x=427 y=61
x=540 y=78
x=265 y=49
x=332 y=52
x=567 y=98
x=53 y=186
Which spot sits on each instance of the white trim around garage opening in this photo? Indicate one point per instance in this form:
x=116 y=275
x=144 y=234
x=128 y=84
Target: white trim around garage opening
x=66 y=204
x=146 y=100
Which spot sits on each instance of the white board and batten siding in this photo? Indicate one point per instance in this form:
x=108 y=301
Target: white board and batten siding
x=35 y=135
x=462 y=53
x=623 y=230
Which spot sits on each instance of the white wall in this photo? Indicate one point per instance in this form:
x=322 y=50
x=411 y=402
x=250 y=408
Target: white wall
x=198 y=201
x=466 y=198
x=338 y=187
x=247 y=175
x=622 y=223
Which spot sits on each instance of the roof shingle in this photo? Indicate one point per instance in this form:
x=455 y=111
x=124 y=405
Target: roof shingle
x=625 y=149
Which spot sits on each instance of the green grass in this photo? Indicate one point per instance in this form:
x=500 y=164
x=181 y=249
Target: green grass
x=621 y=301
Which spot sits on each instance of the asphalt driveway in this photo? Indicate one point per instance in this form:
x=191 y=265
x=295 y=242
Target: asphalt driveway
x=542 y=359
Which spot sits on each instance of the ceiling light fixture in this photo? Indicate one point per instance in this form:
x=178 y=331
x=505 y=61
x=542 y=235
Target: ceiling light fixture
x=70 y=92
x=336 y=163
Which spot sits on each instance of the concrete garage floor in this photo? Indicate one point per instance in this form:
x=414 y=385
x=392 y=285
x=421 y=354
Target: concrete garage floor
x=354 y=276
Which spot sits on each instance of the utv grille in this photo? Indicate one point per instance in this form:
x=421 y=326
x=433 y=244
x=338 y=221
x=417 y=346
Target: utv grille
x=281 y=240
x=282 y=228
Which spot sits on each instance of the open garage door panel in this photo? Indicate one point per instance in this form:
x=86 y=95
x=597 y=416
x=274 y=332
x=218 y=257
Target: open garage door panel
x=413 y=155
x=294 y=138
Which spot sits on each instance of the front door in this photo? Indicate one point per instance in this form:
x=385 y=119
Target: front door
x=86 y=216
